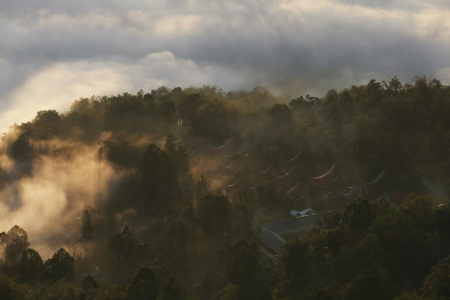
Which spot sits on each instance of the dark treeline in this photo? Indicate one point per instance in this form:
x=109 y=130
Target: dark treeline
x=198 y=172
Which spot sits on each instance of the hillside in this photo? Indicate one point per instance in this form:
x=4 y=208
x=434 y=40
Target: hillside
x=163 y=195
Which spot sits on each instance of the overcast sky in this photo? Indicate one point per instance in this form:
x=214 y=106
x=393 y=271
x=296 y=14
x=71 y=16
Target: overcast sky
x=55 y=51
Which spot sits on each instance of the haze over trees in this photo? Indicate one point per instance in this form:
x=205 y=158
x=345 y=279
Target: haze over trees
x=163 y=195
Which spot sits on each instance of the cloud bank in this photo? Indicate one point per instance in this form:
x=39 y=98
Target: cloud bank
x=53 y=52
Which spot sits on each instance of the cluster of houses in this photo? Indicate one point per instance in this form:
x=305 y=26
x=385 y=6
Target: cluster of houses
x=236 y=176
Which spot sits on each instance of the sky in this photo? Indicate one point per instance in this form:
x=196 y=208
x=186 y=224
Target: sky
x=53 y=52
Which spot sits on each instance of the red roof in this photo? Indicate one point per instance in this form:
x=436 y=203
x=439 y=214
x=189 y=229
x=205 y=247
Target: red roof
x=375 y=186
x=225 y=145
x=296 y=156
x=325 y=179
x=293 y=189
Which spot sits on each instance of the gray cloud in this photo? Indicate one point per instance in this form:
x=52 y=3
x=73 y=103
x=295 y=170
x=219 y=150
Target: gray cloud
x=289 y=46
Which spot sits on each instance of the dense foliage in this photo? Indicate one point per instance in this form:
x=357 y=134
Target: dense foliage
x=199 y=171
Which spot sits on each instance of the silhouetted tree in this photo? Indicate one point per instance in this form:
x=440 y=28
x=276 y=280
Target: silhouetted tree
x=170 y=291
x=212 y=214
x=31 y=265
x=293 y=261
x=123 y=244
x=21 y=148
x=59 y=266
x=143 y=285
x=16 y=242
x=87 y=229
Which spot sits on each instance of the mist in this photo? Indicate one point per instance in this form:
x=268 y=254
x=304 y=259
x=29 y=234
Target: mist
x=48 y=203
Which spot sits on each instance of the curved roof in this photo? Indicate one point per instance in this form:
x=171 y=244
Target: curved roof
x=325 y=179
x=287 y=173
x=296 y=156
x=234 y=184
x=375 y=186
x=377 y=179
x=267 y=169
x=229 y=165
x=223 y=146
x=294 y=188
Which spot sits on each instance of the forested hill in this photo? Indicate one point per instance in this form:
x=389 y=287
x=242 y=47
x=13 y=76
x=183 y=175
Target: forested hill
x=164 y=194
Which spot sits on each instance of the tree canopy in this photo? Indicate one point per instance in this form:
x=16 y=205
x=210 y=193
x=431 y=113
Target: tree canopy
x=165 y=194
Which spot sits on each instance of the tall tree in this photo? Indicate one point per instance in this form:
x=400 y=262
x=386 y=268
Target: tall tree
x=87 y=229
x=213 y=214
x=143 y=285
x=31 y=265
x=124 y=243
x=61 y=265
x=16 y=242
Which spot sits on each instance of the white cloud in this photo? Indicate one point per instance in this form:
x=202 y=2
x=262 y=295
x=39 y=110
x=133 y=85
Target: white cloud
x=58 y=85
x=444 y=75
x=178 y=25
x=107 y=47
x=433 y=25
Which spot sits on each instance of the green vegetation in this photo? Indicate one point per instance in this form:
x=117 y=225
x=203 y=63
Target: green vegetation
x=185 y=179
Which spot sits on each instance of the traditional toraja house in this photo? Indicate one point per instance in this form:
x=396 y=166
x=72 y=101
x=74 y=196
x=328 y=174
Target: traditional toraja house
x=225 y=149
x=301 y=187
x=293 y=190
x=199 y=145
x=325 y=180
x=296 y=182
x=267 y=170
x=375 y=187
x=287 y=173
x=278 y=168
x=296 y=157
x=371 y=189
